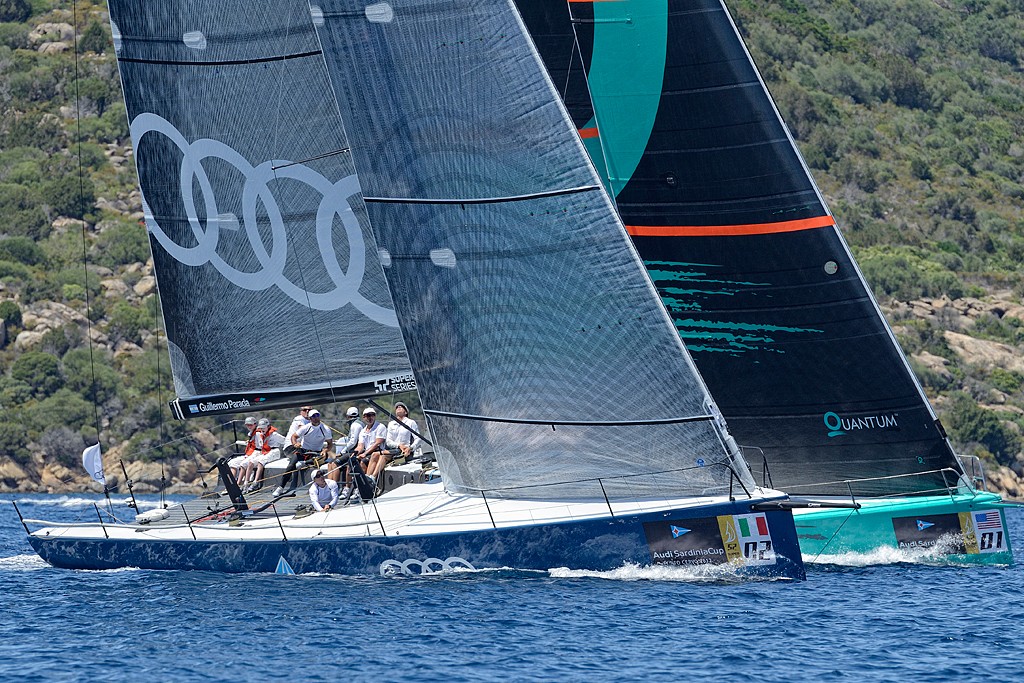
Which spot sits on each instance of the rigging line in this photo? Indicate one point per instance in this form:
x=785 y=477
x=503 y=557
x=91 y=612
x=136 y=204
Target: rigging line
x=573 y=423
x=834 y=534
x=302 y=274
x=343 y=150
x=85 y=249
x=483 y=200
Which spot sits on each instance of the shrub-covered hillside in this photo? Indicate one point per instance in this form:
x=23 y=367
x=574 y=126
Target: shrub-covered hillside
x=909 y=112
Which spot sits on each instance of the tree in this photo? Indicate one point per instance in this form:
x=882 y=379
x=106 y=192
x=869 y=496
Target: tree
x=70 y=195
x=10 y=312
x=94 y=39
x=15 y=10
x=13 y=440
x=41 y=371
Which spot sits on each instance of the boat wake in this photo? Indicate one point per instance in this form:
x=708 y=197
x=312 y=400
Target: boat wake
x=945 y=553
x=82 y=502
x=719 y=573
x=25 y=563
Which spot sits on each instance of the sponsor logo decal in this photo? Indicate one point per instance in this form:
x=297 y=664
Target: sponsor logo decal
x=737 y=539
x=395 y=384
x=922 y=525
x=839 y=426
x=431 y=565
x=987 y=529
x=193 y=408
x=228 y=404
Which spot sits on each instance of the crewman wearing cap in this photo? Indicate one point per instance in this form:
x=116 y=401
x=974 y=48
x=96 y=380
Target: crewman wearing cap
x=401 y=440
x=346 y=447
x=250 y=447
x=372 y=439
x=323 y=492
x=308 y=441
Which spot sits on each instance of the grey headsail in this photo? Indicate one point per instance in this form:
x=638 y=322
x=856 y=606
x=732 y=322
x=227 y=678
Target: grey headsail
x=540 y=348
x=269 y=277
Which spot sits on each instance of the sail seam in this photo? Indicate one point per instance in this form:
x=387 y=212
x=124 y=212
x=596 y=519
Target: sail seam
x=224 y=62
x=483 y=200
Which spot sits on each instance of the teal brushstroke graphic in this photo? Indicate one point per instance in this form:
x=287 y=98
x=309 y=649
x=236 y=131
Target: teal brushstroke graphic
x=714 y=336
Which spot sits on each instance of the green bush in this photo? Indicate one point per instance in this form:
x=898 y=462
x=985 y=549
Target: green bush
x=122 y=244
x=95 y=39
x=15 y=10
x=10 y=312
x=127 y=322
x=21 y=212
x=14 y=36
x=22 y=250
x=64 y=405
x=972 y=424
x=39 y=370
x=80 y=367
x=906 y=274
x=14 y=442
x=70 y=194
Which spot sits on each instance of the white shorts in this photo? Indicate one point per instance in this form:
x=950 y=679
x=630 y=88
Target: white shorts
x=237 y=461
x=268 y=457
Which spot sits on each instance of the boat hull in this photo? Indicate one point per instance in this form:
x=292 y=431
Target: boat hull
x=597 y=544
x=943 y=526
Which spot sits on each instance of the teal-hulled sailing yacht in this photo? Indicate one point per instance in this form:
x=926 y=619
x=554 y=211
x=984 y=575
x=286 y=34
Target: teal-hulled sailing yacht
x=757 y=277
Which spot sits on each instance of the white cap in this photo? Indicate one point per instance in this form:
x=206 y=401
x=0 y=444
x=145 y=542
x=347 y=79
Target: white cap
x=370 y=411
x=314 y=412
x=250 y=420
x=352 y=412
x=263 y=423
x=319 y=473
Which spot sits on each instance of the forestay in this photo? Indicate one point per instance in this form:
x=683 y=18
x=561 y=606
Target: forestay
x=541 y=351
x=743 y=250
x=271 y=288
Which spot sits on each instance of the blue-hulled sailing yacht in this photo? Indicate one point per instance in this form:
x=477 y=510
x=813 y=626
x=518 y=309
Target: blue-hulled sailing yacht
x=350 y=198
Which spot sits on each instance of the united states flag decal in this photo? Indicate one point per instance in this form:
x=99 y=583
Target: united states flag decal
x=984 y=521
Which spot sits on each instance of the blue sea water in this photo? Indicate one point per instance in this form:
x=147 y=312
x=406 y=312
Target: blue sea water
x=884 y=617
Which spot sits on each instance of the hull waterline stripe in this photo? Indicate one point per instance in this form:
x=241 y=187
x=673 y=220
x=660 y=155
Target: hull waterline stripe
x=729 y=230
x=223 y=62
x=482 y=200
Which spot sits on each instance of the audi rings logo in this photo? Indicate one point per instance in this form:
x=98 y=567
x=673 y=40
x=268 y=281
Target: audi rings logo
x=335 y=201
x=431 y=565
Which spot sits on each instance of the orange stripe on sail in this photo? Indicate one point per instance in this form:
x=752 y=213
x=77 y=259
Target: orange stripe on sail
x=719 y=230
x=587 y=133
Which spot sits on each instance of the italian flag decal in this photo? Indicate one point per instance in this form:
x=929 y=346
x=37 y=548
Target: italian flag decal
x=747 y=539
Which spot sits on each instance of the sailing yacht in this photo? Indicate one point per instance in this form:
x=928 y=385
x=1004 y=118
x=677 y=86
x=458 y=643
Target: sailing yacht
x=758 y=279
x=347 y=200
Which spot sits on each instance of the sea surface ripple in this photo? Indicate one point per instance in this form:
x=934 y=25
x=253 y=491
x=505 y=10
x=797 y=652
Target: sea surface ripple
x=857 y=618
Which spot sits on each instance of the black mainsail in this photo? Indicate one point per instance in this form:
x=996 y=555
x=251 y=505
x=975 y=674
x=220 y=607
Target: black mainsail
x=743 y=250
x=269 y=277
